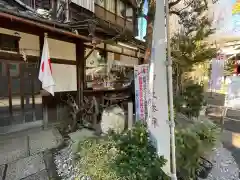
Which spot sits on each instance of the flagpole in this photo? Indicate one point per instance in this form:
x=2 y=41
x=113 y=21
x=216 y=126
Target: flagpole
x=45 y=109
x=170 y=95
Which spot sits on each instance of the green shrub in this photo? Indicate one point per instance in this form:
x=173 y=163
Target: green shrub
x=187 y=152
x=125 y=156
x=208 y=133
x=193 y=142
x=191 y=100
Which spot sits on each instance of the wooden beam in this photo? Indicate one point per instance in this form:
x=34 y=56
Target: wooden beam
x=28 y=26
x=80 y=71
x=34 y=59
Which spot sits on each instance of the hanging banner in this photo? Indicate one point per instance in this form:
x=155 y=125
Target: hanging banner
x=217 y=72
x=232 y=99
x=158 y=120
x=141 y=86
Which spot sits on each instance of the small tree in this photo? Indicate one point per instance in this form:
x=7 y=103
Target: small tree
x=188 y=46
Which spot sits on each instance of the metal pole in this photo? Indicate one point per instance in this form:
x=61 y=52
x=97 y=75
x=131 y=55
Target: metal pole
x=170 y=94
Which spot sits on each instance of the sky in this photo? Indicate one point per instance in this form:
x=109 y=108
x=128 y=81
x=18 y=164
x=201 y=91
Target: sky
x=227 y=13
x=142 y=23
x=227 y=17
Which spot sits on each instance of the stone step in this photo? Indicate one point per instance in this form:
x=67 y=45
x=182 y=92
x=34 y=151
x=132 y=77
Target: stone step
x=25 y=167
x=42 y=175
x=16 y=147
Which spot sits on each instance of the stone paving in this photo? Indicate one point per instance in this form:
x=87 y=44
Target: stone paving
x=230 y=127
x=13 y=149
x=23 y=157
x=25 y=167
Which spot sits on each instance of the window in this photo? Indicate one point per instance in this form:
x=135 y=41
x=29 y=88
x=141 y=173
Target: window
x=120 y=8
x=110 y=5
x=95 y=69
x=106 y=74
x=14 y=69
x=44 y=4
x=9 y=43
x=129 y=13
x=35 y=4
x=100 y=2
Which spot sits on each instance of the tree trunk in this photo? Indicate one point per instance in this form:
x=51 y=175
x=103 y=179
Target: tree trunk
x=149 y=34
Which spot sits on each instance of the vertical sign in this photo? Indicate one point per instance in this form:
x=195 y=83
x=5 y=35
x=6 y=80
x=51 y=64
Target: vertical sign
x=141 y=85
x=232 y=99
x=158 y=121
x=217 y=72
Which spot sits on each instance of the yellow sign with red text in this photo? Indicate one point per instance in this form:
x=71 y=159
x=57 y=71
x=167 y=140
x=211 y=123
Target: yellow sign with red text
x=236 y=8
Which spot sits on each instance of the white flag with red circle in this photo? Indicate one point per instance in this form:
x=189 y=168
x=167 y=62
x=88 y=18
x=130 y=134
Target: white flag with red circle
x=45 y=70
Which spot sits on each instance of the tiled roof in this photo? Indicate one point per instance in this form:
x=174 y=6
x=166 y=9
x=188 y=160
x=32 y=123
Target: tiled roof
x=11 y=5
x=14 y=8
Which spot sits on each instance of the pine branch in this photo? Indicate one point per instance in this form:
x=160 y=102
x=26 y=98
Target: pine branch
x=175 y=12
x=171 y=4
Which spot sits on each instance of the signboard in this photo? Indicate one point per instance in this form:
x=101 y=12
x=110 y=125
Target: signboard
x=141 y=89
x=158 y=120
x=217 y=72
x=232 y=99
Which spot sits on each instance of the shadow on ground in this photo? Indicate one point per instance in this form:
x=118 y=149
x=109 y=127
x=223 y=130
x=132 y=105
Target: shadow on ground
x=231 y=129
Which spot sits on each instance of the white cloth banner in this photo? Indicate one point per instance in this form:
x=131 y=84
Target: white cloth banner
x=232 y=99
x=141 y=91
x=45 y=70
x=217 y=72
x=158 y=121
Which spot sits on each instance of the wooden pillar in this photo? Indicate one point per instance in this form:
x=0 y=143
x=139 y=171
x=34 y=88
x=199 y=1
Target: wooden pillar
x=105 y=53
x=80 y=52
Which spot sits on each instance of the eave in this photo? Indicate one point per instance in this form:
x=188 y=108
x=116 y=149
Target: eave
x=19 y=22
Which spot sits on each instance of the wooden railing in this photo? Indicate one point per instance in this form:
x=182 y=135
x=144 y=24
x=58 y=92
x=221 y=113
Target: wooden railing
x=45 y=4
x=113 y=18
x=87 y=4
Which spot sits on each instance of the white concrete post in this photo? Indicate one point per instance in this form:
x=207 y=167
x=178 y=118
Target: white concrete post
x=45 y=116
x=130 y=115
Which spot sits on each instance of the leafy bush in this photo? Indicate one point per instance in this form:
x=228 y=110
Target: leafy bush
x=125 y=156
x=192 y=143
x=187 y=152
x=190 y=102
x=208 y=133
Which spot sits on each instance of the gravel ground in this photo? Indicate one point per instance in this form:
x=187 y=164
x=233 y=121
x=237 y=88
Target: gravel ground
x=64 y=161
x=224 y=165
x=65 y=164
